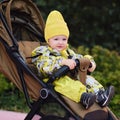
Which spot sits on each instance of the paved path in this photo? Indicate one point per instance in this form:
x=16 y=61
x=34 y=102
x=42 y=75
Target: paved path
x=10 y=115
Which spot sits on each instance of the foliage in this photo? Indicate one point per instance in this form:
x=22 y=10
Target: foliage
x=10 y=97
x=13 y=100
x=90 y=22
x=4 y=84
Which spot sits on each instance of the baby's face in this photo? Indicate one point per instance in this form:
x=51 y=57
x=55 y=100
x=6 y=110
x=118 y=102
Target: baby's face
x=58 y=42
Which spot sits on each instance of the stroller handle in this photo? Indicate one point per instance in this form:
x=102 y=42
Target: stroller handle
x=61 y=72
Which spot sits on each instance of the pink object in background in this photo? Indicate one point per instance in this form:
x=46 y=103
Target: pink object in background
x=11 y=115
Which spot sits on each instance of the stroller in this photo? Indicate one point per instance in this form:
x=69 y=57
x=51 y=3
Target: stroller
x=21 y=30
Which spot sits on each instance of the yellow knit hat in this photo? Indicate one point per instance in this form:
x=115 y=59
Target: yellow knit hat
x=55 y=25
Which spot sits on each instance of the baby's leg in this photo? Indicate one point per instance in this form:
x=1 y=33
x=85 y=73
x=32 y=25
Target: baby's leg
x=103 y=97
x=74 y=90
x=93 y=85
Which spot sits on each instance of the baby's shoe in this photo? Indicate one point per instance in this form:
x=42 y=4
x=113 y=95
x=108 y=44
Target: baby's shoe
x=88 y=99
x=103 y=97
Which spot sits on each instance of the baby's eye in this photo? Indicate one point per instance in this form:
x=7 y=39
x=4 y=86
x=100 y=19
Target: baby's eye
x=56 y=39
x=64 y=39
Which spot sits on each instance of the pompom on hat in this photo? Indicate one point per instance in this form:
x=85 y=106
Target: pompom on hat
x=55 y=25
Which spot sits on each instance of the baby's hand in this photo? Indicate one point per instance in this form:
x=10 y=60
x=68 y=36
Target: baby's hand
x=70 y=63
x=92 y=68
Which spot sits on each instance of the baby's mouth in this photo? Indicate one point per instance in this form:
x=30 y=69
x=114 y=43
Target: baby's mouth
x=60 y=46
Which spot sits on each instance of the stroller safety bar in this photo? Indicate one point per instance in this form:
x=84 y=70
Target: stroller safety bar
x=61 y=72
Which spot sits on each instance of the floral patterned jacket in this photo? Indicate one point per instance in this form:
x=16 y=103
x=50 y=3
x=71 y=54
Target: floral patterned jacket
x=47 y=60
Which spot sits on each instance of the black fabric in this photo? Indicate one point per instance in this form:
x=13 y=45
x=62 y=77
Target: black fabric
x=96 y=115
x=111 y=117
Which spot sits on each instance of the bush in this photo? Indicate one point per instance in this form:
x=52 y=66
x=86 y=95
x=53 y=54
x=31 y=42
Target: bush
x=4 y=84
